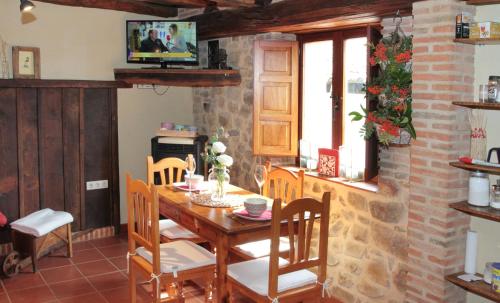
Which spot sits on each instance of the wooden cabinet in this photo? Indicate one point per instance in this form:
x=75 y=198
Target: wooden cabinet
x=276 y=104
x=54 y=137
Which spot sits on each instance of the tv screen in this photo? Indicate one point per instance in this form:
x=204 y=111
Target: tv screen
x=165 y=42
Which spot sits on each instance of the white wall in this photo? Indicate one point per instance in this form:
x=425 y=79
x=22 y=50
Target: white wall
x=487 y=63
x=82 y=43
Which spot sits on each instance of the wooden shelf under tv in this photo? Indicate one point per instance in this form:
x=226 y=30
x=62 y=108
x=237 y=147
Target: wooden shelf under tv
x=479 y=288
x=482 y=2
x=477 y=41
x=477 y=105
x=487 y=213
x=179 y=77
x=475 y=167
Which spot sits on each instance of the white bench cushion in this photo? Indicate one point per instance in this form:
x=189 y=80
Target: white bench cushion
x=172 y=230
x=259 y=249
x=254 y=274
x=180 y=255
x=42 y=222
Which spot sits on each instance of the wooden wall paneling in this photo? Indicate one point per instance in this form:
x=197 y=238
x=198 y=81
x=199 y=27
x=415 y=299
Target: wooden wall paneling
x=27 y=145
x=115 y=182
x=9 y=203
x=51 y=148
x=98 y=205
x=71 y=151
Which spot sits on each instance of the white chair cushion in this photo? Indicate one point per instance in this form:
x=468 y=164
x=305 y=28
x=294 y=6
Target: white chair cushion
x=179 y=255
x=259 y=249
x=254 y=274
x=42 y=222
x=172 y=230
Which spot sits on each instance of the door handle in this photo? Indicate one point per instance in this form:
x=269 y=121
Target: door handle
x=335 y=105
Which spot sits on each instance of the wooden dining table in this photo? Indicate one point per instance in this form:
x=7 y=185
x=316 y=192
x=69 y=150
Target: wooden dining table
x=217 y=225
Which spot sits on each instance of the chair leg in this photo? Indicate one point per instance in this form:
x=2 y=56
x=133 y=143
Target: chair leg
x=132 y=283
x=209 y=289
x=156 y=291
x=180 y=291
x=69 y=249
x=230 y=292
x=34 y=255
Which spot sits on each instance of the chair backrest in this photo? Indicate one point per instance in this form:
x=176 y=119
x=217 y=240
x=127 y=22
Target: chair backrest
x=303 y=213
x=171 y=167
x=143 y=219
x=283 y=184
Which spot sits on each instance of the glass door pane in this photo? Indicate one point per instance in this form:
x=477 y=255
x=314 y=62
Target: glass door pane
x=316 y=102
x=355 y=69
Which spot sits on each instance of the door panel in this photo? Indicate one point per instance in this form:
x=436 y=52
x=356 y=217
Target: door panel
x=276 y=98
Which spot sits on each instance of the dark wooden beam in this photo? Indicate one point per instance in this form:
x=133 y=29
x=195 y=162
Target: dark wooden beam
x=132 y=6
x=294 y=16
x=203 y=3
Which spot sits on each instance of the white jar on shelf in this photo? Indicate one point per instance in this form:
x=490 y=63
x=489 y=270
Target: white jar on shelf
x=479 y=189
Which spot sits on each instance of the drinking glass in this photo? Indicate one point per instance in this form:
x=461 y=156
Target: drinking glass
x=190 y=169
x=260 y=175
x=483 y=93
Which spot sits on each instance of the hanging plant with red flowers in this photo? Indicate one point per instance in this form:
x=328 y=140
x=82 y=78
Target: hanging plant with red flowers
x=391 y=120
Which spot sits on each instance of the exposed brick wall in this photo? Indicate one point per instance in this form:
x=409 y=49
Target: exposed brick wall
x=442 y=73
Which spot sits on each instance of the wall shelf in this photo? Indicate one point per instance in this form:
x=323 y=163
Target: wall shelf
x=477 y=105
x=482 y=2
x=483 y=41
x=487 y=213
x=475 y=167
x=479 y=288
x=180 y=77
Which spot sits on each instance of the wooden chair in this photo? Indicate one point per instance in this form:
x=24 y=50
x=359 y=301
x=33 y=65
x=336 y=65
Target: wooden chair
x=163 y=264
x=173 y=168
x=269 y=279
x=283 y=185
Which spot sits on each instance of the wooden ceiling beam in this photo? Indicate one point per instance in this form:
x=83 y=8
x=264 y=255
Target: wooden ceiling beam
x=235 y=3
x=131 y=6
x=293 y=16
x=179 y=3
x=203 y=3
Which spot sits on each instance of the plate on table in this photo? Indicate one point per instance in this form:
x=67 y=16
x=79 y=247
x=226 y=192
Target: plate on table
x=242 y=213
x=183 y=186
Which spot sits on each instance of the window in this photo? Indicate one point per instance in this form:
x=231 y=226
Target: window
x=334 y=70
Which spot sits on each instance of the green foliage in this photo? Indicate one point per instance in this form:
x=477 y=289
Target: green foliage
x=391 y=89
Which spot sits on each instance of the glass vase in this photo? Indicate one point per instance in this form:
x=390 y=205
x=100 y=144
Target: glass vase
x=219 y=181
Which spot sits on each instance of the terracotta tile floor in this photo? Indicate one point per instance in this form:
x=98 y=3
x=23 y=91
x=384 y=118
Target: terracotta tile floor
x=95 y=274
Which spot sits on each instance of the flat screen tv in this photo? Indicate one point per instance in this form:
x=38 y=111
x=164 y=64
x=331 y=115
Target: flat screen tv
x=164 y=42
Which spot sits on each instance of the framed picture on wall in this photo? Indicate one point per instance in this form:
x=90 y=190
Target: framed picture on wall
x=26 y=62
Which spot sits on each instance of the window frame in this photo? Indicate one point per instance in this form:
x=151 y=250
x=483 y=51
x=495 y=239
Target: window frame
x=338 y=37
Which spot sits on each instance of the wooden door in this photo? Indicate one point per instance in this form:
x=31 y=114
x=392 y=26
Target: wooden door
x=276 y=80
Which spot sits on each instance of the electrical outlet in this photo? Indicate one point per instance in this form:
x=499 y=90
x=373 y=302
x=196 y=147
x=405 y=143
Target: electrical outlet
x=145 y=86
x=99 y=184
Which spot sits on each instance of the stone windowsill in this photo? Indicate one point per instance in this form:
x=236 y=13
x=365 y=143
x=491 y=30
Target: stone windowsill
x=366 y=186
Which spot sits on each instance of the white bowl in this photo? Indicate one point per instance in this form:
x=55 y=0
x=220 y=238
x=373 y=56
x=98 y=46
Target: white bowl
x=195 y=180
x=255 y=206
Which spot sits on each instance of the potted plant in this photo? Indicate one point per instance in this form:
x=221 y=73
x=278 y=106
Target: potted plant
x=391 y=121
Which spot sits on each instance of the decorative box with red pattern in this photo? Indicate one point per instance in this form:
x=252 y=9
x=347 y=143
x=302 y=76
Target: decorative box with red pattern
x=328 y=163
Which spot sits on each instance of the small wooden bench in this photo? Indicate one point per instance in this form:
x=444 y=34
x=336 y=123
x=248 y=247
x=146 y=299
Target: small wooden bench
x=35 y=236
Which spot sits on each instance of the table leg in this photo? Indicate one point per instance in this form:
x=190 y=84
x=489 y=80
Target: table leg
x=222 y=252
